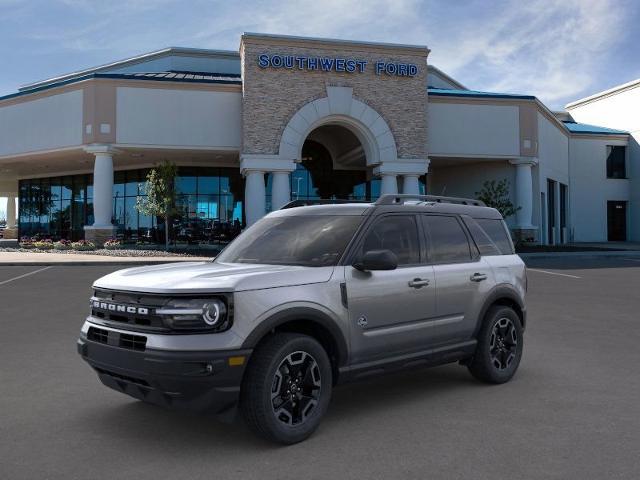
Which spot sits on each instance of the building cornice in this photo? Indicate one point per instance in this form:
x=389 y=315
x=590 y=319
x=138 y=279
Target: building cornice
x=319 y=43
x=604 y=94
x=121 y=81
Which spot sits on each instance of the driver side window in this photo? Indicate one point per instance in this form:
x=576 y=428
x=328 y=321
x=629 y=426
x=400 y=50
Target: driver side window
x=398 y=233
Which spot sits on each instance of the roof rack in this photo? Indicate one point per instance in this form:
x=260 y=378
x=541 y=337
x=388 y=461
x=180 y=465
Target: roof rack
x=402 y=198
x=319 y=201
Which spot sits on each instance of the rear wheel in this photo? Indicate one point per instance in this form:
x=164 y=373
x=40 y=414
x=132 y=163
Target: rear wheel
x=499 y=349
x=287 y=388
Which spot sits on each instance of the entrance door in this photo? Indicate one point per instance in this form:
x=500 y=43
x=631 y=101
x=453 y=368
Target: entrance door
x=390 y=311
x=551 y=211
x=617 y=221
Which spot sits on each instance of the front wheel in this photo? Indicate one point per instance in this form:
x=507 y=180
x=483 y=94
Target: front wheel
x=287 y=388
x=499 y=349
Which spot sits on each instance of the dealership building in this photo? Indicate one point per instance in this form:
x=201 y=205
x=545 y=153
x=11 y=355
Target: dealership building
x=305 y=118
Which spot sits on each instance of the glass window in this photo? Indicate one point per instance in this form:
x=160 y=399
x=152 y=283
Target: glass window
x=119 y=179
x=485 y=245
x=398 y=233
x=311 y=241
x=616 y=161
x=447 y=241
x=208 y=184
x=131 y=185
x=186 y=184
x=499 y=234
x=67 y=188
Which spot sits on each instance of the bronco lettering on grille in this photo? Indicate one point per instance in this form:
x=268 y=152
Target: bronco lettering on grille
x=113 y=307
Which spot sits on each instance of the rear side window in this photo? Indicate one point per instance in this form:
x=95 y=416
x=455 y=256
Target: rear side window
x=447 y=241
x=497 y=232
x=397 y=233
x=485 y=244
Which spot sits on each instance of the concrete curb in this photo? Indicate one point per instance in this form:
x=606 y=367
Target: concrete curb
x=132 y=263
x=588 y=254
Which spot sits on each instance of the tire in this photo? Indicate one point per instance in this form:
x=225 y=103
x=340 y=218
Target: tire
x=500 y=344
x=296 y=368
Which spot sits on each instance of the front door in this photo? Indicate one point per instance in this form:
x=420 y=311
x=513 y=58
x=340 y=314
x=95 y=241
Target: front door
x=390 y=310
x=617 y=221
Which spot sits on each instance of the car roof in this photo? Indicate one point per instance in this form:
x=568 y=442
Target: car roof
x=473 y=211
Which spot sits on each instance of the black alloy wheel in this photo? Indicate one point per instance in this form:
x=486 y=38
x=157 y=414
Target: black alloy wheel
x=287 y=387
x=499 y=348
x=504 y=343
x=296 y=388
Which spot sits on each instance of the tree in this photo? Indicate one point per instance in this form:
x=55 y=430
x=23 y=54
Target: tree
x=496 y=195
x=160 y=200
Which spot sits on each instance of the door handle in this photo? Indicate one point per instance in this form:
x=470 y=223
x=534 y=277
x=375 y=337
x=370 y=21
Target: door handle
x=418 y=283
x=478 y=277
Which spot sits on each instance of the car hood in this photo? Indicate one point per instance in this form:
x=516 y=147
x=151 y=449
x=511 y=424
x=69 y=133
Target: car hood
x=205 y=277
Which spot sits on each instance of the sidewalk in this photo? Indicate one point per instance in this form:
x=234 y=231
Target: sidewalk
x=33 y=258
x=590 y=253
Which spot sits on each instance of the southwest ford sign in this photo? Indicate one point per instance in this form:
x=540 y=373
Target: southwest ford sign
x=331 y=64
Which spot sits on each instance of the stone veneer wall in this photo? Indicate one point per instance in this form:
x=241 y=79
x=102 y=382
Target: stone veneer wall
x=271 y=96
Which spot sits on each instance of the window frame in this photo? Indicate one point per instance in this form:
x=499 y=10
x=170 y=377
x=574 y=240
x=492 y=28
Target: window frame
x=474 y=253
x=352 y=250
x=608 y=150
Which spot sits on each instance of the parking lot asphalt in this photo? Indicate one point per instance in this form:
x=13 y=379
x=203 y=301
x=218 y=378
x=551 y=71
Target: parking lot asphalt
x=571 y=412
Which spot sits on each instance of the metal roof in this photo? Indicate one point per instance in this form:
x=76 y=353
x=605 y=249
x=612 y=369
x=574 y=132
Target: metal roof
x=145 y=57
x=176 y=75
x=444 y=92
x=575 y=127
x=186 y=77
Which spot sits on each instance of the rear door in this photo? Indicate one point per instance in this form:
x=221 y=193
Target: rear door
x=462 y=277
x=389 y=310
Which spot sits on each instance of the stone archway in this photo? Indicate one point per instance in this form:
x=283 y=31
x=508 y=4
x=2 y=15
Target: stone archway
x=340 y=108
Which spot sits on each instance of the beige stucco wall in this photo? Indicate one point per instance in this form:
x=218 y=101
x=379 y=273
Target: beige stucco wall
x=272 y=96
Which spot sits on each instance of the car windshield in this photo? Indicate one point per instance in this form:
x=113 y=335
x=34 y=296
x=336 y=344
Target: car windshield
x=310 y=241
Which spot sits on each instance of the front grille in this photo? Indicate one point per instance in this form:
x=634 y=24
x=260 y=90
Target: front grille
x=122 y=340
x=133 y=342
x=98 y=335
x=128 y=310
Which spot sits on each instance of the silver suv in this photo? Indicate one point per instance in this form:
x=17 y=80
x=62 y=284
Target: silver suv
x=310 y=297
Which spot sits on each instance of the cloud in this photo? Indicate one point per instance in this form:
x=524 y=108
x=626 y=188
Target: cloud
x=558 y=50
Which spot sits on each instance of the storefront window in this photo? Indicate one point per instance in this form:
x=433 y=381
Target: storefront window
x=343 y=184
x=210 y=206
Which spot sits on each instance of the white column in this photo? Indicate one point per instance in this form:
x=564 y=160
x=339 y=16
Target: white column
x=389 y=184
x=524 y=192
x=11 y=211
x=280 y=190
x=411 y=184
x=254 y=196
x=103 y=189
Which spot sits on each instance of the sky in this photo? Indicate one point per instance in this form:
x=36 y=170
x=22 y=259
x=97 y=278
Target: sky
x=558 y=50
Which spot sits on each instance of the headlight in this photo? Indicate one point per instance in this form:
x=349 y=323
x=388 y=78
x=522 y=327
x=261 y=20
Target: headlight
x=196 y=314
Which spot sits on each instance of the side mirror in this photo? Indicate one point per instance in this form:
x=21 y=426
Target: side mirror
x=377 y=260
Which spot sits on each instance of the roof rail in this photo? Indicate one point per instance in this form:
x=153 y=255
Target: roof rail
x=395 y=199
x=319 y=201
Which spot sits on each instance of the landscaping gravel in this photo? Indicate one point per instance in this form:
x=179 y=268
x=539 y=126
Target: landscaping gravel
x=121 y=252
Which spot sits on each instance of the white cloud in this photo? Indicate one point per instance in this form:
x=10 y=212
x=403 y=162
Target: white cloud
x=554 y=49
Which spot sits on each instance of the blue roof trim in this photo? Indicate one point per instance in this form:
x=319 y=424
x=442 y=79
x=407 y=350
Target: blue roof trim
x=444 y=92
x=575 y=127
x=226 y=79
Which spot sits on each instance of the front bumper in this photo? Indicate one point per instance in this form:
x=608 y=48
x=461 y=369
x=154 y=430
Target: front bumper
x=194 y=380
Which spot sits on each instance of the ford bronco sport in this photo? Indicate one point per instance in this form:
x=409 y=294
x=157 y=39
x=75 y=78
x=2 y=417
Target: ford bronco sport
x=310 y=297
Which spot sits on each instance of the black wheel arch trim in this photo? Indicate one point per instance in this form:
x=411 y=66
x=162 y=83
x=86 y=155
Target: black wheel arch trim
x=500 y=292
x=305 y=314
